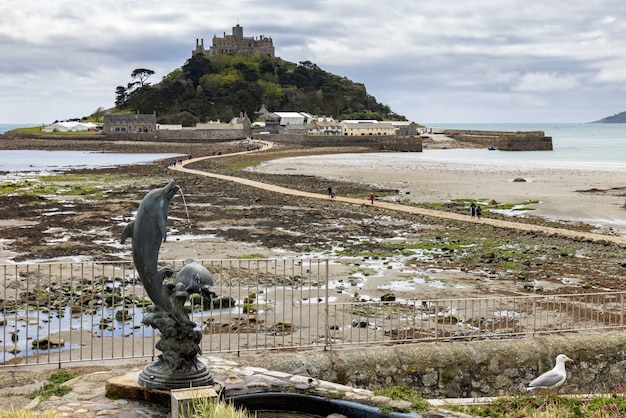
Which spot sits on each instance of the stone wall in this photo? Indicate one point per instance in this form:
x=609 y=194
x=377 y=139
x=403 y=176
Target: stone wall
x=382 y=143
x=201 y=135
x=505 y=141
x=465 y=369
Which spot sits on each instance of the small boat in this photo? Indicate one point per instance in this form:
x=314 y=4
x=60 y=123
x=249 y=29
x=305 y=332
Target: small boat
x=491 y=148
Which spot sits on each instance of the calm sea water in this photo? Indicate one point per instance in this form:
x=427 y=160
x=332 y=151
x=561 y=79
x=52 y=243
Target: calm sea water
x=20 y=161
x=584 y=144
x=9 y=126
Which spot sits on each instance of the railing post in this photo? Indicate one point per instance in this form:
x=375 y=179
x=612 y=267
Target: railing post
x=622 y=310
x=327 y=307
x=534 y=316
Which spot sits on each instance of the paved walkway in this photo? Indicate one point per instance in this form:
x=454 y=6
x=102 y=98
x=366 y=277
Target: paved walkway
x=88 y=397
x=395 y=206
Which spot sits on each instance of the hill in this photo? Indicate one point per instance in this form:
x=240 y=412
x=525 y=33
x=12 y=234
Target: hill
x=618 y=118
x=222 y=87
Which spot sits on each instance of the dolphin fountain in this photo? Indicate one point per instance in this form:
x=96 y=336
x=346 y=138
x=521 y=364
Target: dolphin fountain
x=178 y=365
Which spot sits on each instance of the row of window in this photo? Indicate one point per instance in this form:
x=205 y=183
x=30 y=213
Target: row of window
x=135 y=130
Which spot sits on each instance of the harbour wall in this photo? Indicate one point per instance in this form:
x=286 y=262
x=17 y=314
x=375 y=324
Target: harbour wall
x=504 y=141
x=465 y=369
x=382 y=143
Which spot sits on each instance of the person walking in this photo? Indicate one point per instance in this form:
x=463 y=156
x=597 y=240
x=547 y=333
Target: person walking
x=479 y=212
x=473 y=210
x=372 y=198
x=330 y=192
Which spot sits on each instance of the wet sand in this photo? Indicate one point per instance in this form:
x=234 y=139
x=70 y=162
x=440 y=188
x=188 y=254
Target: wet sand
x=583 y=194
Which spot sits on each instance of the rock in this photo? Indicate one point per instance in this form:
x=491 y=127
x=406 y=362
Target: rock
x=123 y=315
x=360 y=323
x=48 y=342
x=223 y=302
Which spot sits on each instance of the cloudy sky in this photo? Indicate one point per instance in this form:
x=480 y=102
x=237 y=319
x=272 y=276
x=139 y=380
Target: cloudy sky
x=441 y=61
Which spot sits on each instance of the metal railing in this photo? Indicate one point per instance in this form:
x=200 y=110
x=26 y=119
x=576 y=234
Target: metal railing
x=70 y=312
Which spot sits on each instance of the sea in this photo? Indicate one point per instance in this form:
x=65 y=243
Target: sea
x=584 y=145
x=575 y=145
x=42 y=162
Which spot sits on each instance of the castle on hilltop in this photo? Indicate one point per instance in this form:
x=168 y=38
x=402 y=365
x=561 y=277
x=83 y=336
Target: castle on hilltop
x=236 y=44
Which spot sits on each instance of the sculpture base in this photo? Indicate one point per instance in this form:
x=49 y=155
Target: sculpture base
x=154 y=377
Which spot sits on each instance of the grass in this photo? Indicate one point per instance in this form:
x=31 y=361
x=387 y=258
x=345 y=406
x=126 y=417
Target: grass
x=404 y=393
x=206 y=407
x=250 y=256
x=39 y=130
x=54 y=387
x=550 y=406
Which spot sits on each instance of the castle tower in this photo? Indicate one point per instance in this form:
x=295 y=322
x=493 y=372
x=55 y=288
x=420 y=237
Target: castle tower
x=238 y=32
x=199 y=48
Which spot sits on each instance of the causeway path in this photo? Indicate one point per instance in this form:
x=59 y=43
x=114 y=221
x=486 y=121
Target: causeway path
x=498 y=223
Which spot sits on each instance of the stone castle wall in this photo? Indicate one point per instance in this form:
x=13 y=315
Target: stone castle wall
x=505 y=141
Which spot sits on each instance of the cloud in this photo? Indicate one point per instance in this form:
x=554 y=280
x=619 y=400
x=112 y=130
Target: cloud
x=540 y=82
x=439 y=60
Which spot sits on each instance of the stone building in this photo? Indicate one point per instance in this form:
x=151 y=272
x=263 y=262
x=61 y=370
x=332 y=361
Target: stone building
x=236 y=44
x=325 y=126
x=136 y=125
x=405 y=128
x=367 y=128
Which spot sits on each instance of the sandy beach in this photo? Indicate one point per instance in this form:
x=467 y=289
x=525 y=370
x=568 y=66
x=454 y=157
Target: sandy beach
x=583 y=194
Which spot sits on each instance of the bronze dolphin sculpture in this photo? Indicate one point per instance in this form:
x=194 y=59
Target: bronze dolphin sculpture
x=148 y=231
x=193 y=278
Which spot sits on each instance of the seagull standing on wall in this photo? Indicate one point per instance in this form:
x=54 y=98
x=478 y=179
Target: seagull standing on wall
x=552 y=378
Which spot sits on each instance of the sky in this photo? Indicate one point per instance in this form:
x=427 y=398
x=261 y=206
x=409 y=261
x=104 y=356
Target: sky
x=443 y=61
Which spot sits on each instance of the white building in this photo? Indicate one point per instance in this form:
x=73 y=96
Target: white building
x=70 y=127
x=294 y=118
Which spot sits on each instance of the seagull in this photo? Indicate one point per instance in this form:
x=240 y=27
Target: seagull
x=552 y=378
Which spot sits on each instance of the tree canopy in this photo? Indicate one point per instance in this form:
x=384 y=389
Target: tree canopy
x=222 y=87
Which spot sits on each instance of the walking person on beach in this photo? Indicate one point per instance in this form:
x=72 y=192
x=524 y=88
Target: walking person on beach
x=479 y=212
x=473 y=210
x=332 y=192
x=372 y=198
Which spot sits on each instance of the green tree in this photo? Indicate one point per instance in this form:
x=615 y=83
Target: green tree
x=121 y=97
x=221 y=87
x=196 y=67
x=140 y=77
x=184 y=118
x=272 y=93
x=98 y=113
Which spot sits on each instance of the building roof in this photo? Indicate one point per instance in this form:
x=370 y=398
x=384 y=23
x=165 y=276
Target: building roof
x=70 y=126
x=131 y=117
x=369 y=125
